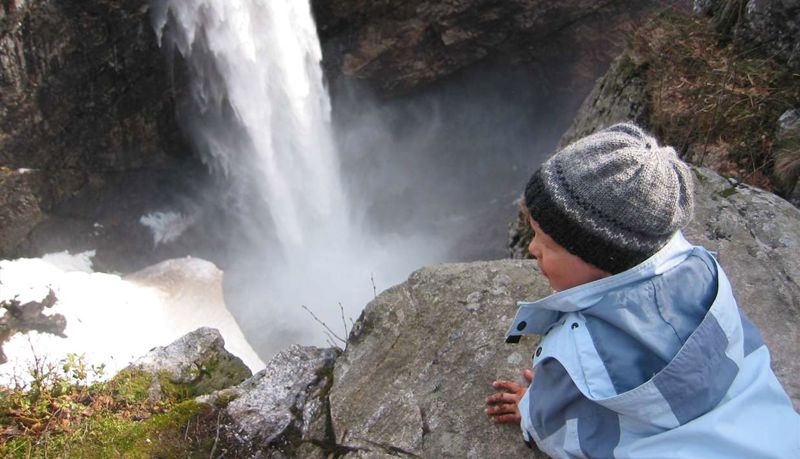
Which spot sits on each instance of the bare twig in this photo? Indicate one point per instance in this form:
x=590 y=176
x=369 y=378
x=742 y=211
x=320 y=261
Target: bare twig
x=344 y=323
x=323 y=324
x=216 y=437
x=186 y=432
x=374 y=290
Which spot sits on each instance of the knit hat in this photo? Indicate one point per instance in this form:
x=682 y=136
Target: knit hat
x=613 y=198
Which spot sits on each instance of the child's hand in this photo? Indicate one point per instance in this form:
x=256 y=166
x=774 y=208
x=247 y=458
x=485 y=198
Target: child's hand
x=502 y=406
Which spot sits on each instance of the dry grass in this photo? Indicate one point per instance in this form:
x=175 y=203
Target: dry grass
x=717 y=102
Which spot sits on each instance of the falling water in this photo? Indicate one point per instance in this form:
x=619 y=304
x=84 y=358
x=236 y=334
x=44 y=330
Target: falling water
x=259 y=115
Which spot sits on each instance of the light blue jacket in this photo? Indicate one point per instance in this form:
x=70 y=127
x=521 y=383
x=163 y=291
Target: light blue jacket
x=654 y=362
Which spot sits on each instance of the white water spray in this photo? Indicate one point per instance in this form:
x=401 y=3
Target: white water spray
x=260 y=117
x=261 y=60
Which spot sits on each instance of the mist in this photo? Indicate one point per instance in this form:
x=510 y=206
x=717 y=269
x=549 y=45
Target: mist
x=314 y=207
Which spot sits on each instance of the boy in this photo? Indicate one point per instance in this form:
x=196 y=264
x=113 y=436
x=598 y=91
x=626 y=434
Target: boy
x=644 y=352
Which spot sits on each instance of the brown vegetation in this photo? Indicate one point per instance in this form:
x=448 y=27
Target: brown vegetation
x=716 y=100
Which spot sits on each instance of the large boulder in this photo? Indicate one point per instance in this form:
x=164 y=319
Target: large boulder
x=421 y=359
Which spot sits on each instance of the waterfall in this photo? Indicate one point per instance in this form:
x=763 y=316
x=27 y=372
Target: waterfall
x=259 y=115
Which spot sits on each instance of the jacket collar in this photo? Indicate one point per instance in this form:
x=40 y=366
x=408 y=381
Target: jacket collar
x=535 y=317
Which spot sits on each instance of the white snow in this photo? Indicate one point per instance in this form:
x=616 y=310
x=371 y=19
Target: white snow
x=112 y=320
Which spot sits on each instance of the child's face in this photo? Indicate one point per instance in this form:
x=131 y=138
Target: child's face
x=563 y=269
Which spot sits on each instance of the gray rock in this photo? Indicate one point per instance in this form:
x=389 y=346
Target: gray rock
x=283 y=409
x=773 y=24
x=198 y=359
x=421 y=359
x=787 y=154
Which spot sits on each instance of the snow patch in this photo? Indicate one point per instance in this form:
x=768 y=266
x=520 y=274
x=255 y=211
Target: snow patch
x=113 y=320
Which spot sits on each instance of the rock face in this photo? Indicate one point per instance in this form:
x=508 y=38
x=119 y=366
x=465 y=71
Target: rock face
x=84 y=86
x=421 y=360
x=20 y=209
x=399 y=46
x=84 y=91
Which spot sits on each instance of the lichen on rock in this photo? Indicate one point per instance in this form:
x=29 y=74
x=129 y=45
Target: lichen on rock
x=198 y=359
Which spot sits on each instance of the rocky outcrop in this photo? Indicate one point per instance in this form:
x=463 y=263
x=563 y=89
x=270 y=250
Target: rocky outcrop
x=283 y=410
x=421 y=360
x=397 y=47
x=198 y=359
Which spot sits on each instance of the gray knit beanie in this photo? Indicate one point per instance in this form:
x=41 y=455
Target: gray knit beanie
x=613 y=198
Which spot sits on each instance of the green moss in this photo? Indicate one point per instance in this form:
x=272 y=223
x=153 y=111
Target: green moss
x=728 y=192
x=699 y=176
x=120 y=417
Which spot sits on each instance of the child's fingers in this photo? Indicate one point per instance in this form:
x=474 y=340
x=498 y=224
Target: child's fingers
x=501 y=397
x=507 y=419
x=505 y=408
x=528 y=375
x=510 y=386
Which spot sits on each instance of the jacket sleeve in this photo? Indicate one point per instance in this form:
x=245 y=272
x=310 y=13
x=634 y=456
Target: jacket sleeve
x=561 y=421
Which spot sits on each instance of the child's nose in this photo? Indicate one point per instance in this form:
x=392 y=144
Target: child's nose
x=533 y=249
